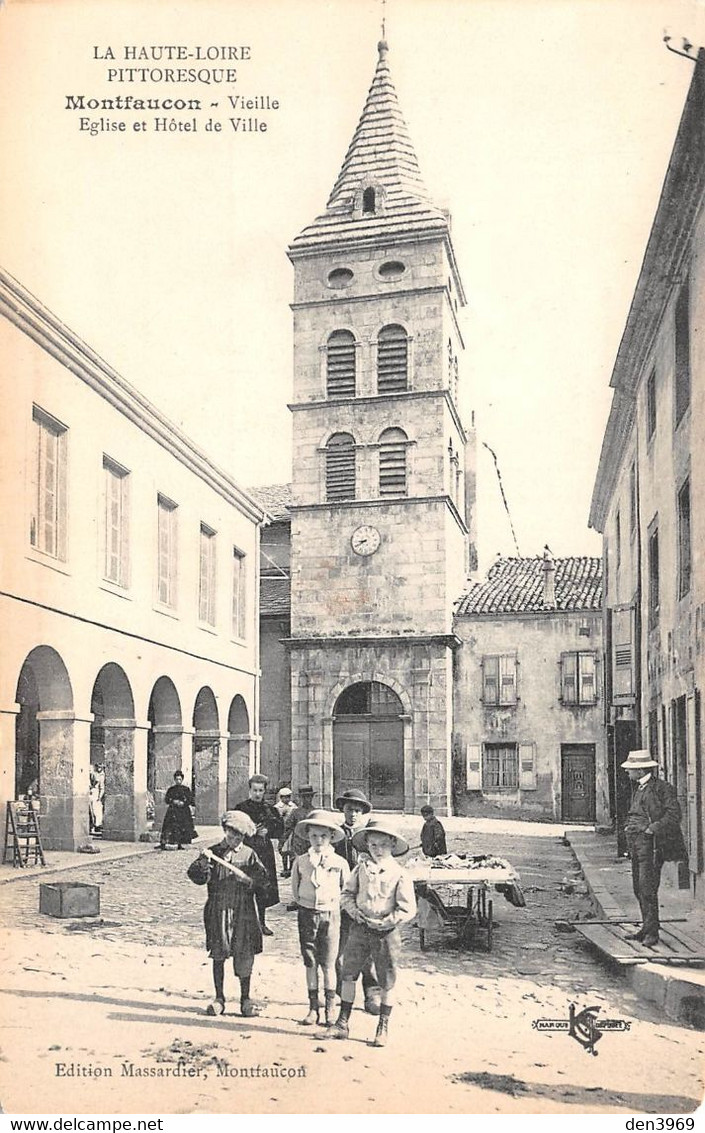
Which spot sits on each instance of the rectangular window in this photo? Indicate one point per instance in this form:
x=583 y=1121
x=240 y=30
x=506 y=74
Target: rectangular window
x=653 y=575
x=115 y=522
x=239 y=594
x=632 y=502
x=651 y=405
x=684 y=542
x=499 y=680
x=578 y=683
x=682 y=350
x=47 y=529
x=206 y=575
x=500 y=766
x=167 y=533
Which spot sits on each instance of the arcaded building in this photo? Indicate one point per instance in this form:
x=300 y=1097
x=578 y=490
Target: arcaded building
x=129 y=593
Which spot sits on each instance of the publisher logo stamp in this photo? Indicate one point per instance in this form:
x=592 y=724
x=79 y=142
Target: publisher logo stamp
x=583 y=1025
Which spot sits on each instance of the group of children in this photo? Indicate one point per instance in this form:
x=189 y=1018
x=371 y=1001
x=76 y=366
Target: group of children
x=350 y=905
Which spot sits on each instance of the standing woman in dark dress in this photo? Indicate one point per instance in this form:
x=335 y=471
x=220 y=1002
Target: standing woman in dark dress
x=230 y=916
x=178 y=820
x=268 y=825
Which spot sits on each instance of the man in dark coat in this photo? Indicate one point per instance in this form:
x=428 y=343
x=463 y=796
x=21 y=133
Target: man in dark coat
x=355 y=808
x=653 y=835
x=433 y=836
x=268 y=825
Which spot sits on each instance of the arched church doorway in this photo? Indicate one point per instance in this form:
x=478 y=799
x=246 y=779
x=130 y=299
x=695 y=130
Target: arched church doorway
x=368 y=744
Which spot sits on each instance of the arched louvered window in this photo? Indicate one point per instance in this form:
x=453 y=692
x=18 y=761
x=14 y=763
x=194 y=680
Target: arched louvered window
x=392 y=462
x=340 y=364
x=392 y=359
x=340 y=467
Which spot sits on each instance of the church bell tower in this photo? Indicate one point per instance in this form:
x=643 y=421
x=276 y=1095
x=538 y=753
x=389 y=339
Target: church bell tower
x=383 y=489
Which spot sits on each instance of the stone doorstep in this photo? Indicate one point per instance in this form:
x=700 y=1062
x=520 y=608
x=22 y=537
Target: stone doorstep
x=668 y=987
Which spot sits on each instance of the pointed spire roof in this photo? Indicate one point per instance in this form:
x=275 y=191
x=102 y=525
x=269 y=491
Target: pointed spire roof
x=380 y=157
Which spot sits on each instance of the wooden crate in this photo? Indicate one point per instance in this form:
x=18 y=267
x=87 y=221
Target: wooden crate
x=69 y=899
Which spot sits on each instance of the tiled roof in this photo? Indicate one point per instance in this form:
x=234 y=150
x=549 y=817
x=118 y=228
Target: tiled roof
x=515 y=586
x=274 y=595
x=274 y=498
x=380 y=153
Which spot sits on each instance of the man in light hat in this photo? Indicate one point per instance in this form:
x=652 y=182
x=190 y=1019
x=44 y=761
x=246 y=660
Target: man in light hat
x=355 y=807
x=653 y=835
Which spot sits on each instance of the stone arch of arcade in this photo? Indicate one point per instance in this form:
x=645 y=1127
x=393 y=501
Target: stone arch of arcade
x=164 y=742
x=208 y=783
x=112 y=744
x=240 y=751
x=44 y=748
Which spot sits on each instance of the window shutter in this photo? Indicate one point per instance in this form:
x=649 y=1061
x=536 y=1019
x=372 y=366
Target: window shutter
x=490 y=680
x=340 y=380
x=340 y=467
x=392 y=462
x=508 y=680
x=392 y=360
x=588 y=688
x=527 y=767
x=473 y=767
x=569 y=674
x=623 y=658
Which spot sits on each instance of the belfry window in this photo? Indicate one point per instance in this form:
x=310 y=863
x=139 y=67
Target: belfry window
x=392 y=462
x=340 y=468
x=368 y=201
x=392 y=359
x=340 y=364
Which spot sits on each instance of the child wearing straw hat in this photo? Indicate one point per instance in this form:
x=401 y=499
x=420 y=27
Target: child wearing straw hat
x=233 y=873
x=378 y=898
x=317 y=881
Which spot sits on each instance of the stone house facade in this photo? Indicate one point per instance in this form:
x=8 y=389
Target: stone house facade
x=648 y=499
x=129 y=593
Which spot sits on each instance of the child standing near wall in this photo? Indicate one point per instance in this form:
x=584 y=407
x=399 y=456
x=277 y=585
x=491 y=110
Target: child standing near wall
x=317 y=881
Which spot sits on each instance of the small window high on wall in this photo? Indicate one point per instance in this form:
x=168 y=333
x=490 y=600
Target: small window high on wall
x=369 y=201
x=47 y=528
x=392 y=359
x=392 y=462
x=340 y=467
x=340 y=364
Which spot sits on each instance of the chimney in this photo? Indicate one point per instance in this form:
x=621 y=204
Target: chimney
x=549 y=579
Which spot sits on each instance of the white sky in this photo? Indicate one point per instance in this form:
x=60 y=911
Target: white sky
x=545 y=125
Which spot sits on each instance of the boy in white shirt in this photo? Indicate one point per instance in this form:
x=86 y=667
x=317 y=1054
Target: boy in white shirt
x=378 y=898
x=317 y=880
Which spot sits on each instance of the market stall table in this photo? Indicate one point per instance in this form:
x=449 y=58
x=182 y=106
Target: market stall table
x=458 y=895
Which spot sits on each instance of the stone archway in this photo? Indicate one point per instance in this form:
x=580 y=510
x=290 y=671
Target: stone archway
x=164 y=745
x=44 y=748
x=368 y=743
x=240 y=744
x=208 y=790
x=113 y=745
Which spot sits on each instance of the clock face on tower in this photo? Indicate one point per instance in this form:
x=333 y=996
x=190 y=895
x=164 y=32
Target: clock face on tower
x=365 y=540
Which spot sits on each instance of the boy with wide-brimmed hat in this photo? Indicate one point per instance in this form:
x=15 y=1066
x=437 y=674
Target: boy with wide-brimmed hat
x=355 y=807
x=654 y=836
x=378 y=898
x=234 y=874
x=317 y=881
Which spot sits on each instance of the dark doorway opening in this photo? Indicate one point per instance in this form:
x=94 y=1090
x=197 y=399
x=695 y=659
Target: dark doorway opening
x=368 y=744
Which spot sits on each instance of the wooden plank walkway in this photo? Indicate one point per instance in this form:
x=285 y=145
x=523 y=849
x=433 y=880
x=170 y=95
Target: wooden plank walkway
x=675 y=946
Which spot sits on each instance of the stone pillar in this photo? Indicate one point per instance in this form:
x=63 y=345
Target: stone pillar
x=409 y=793
x=8 y=717
x=328 y=787
x=124 y=813
x=420 y=693
x=210 y=774
x=63 y=787
x=242 y=750
x=168 y=743
x=315 y=734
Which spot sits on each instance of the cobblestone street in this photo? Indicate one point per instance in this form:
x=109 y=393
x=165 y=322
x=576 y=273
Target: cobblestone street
x=131 y=988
